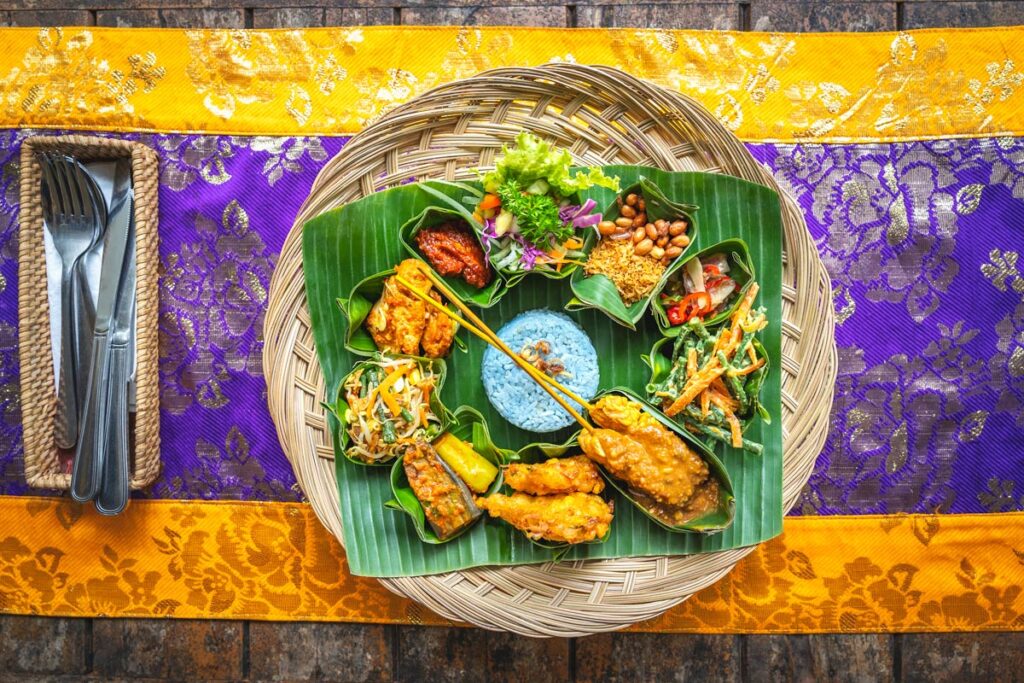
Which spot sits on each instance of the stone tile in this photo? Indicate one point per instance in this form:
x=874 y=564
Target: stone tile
x=842 y=658
x=288 y=17
x=962 y=657
x=821 y=15
x=56 y=17
x=694 y=15
x=333 y=652
x=549 y=15
x=42 y=645
x=172 y=18
x=359 y=16
x=203 y=18
x=121 y=18
x=439 y=655
x=962 y=14
x=512 y=658
x=657 y=657
x=166 y=648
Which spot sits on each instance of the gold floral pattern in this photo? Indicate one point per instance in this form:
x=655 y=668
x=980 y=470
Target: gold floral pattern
x=334 y=81
x=214 y=301
x=233 y=69
x=274 y=561
x=66 y=76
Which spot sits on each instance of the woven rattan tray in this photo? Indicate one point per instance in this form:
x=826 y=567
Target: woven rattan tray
x=44 y=468
x=602 y=116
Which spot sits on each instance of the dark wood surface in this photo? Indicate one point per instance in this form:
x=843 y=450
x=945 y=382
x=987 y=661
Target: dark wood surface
x=51 y=649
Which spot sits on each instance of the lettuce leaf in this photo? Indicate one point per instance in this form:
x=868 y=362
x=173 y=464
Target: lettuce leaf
x=533 y=159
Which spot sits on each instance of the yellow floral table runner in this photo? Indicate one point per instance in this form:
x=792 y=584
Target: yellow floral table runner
x=903 y=150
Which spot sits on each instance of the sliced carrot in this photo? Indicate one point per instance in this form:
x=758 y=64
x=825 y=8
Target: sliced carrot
x=752 y=354
x=737 y=431
x=749 y=369
x=725 y=402
x=490 y=201
x=705 y=402
x=696 y=384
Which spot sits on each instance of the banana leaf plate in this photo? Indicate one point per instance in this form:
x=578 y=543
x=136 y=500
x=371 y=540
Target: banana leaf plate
x=344 y=246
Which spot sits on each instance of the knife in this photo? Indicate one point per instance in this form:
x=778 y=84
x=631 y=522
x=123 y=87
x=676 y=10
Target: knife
x=88 y=465
x=113 y=494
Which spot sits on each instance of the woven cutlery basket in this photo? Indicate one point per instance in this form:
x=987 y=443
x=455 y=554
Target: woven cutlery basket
x=45 y=465
x=602 y=116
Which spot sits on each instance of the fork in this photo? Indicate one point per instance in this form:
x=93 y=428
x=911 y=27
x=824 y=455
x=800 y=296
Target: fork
x=73 y=218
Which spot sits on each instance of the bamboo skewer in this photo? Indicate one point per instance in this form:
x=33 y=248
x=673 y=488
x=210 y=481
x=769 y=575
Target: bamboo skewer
x=534 y=373
x=494 y=339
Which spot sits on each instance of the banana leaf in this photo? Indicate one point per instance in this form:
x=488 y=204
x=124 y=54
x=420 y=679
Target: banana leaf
x=659 y=360
x=436 y=215
x=356 y=307
x=340 y=413
x=711 y=522
x=741 y=270
x=341 y=247
x=600 y=292
x=469 y=425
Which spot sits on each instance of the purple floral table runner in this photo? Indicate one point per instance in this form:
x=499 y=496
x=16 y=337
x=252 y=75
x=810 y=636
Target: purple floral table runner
x=921 y=239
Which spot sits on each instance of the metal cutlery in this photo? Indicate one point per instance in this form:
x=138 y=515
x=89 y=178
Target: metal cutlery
x=113 y=495
x=86 y=477
x=74 y=214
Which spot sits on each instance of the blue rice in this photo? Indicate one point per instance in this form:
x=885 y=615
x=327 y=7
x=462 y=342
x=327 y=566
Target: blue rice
x=515 y=395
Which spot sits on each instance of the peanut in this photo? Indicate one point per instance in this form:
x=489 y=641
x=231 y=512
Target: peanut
x=673 y=252
x=662 y=241
x=638 y=235
x=651 y=231
x=641 y=219
x=644 y=248
x=680 y=241
x=631 y=199
x=628 y=211
x=641 y=204
x=657 y=252
x=607 y=228
x=624 y=222
x=677 y=228
x=660 y=224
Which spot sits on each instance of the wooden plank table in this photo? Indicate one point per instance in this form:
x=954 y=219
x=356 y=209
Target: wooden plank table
x=52 y=649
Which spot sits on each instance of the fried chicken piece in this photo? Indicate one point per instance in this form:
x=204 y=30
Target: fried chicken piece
x=439 y=332
x=399 y=321
x=557 y=475
x=638 y=449
x=568 y=518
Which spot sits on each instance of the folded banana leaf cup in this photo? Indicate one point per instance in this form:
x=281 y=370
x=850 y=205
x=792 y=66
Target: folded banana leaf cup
x=741 y=270
x=660 y=361
x=711 y=522
x=598 y=291
x=357 y=307
x=468 y=425
x=340 y=414
x=472 y=194
x=437 y=215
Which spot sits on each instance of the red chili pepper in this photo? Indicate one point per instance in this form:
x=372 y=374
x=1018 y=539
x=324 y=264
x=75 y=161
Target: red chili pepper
x=692 y=305
x=712 y=269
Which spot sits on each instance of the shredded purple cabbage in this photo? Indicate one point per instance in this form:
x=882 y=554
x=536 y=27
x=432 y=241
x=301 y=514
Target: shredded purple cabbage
x=488 y=235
